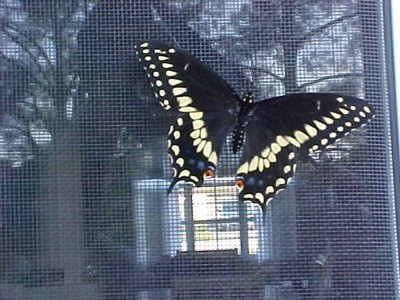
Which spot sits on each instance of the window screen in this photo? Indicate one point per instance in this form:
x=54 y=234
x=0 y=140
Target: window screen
x=84 y=212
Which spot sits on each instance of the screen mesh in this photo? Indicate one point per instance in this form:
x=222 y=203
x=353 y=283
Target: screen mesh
x=84 y=212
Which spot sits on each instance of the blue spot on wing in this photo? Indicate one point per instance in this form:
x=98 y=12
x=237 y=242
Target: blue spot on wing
x=251 y=181
x=201 y=165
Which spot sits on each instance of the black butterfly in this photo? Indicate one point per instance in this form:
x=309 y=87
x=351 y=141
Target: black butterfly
x=279 y=131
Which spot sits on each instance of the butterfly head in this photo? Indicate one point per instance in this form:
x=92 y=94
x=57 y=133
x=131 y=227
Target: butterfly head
x=248 y=98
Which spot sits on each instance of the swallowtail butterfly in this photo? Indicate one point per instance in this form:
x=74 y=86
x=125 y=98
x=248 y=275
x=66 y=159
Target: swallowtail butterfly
x=275 y=133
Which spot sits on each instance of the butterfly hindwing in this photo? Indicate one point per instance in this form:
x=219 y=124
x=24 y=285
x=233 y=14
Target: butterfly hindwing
x=264 y=174
x=282 y=129
x=194 y=146
x=203 y=103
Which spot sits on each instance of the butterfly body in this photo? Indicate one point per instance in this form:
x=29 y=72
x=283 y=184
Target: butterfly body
x=274 y=133
x=245 y=109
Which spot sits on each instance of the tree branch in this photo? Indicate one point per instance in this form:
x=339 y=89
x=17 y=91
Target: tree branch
x=14 y=62
x=22 y=40
x=262 y=70
x=345 y=75
x=322 y=28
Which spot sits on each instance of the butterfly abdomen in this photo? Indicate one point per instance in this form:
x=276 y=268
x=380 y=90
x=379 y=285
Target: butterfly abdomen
x=245 y=106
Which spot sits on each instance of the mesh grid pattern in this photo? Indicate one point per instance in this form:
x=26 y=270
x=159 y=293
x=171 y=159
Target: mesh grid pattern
x=83 y=210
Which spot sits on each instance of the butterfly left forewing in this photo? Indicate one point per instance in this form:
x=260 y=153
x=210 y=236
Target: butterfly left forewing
x=180 y=81
x=282 y=129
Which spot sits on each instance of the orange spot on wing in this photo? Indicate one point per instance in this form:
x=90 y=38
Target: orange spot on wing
x=208 y=173
x=239 y=183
